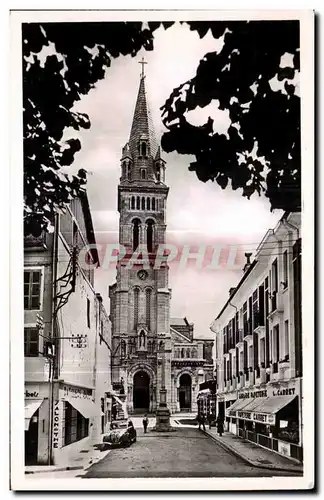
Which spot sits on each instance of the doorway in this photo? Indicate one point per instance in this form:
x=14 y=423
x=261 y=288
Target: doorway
x=185 y=392
x=141 y=392
x=31 y=441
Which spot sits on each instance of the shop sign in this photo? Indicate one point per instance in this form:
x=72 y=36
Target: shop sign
x=253 y=394
x=56 y=424
x=284 y=392
x=76 y=392
x=264 y=418
x=245 y=415
x=36 y=391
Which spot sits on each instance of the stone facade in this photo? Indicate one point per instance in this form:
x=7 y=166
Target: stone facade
x=145 y=343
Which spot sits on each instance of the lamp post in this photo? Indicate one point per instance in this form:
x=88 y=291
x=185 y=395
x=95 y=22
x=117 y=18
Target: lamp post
x=163 y=412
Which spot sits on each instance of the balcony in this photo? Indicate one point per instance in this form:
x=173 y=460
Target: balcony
x=258 y=322
x=247 y=330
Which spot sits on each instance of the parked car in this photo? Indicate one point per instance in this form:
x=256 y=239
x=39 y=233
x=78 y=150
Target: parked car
x=121 y=435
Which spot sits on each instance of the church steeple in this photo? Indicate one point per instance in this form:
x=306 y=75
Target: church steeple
x=142 y=131
x=141 y=156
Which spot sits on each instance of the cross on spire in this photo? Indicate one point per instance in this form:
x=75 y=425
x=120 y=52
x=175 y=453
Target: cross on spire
x=142 y=62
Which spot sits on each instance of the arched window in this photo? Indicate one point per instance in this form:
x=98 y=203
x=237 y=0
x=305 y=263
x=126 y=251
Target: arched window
x=128 y=170
x=153 y=203
x=143 y=203
x=148 y=203
x=149 y=235
x=144 y=149
x=161 y=345
x=188 y=353
x=132 y=345
x=148 y=308
x=138 y=203
x=136 y=304
x=182 y=353
x=136 y=230
x=143 y=174
x=133 y=203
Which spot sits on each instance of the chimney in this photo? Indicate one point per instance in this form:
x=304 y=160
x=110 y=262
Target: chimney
x=248 y=261
x=231 y=290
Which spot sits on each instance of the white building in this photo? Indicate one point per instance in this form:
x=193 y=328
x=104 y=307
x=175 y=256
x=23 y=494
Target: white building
x=67 y=342
x=259 y=345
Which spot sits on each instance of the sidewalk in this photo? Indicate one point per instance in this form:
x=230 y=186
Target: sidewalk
x=253 y=454
x=87 y=456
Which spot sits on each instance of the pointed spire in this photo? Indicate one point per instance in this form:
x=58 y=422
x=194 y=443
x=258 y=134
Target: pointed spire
x=142 y=127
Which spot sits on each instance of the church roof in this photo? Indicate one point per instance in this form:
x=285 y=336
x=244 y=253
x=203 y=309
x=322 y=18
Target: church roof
x=179 y=322
x=142 y=126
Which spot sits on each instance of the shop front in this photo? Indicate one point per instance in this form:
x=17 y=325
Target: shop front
x=270 y=417
x=36 y=423
x=75 y=417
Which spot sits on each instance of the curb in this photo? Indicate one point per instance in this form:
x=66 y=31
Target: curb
x=251 y=462
x=60 y=469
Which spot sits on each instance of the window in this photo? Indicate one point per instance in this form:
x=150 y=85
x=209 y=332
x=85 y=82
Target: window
x=143 y=203
x=128 y=170
x=276 y=345
x=75 y=426
x=153 y=203
x=286 y=340
x=285 y=269
x=148 y=308
x=136 y=304
x=136 y=227
x=32 y=290
x=88 y=313
x=188 y=353
x=148 y=203
x=158 y=173
x=274 y=277
x=138 y=203
x=123 y=349
x=133 y=203
x=143 y=173
x=31 y=342
x=144 y=149
x=149 y=239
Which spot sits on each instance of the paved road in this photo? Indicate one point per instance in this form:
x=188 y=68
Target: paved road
x=185 y=453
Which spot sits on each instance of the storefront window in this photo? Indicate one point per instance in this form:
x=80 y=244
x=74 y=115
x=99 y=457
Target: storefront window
x=75 y=426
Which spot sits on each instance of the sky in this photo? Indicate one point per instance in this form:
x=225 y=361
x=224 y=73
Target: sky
x=197 y=213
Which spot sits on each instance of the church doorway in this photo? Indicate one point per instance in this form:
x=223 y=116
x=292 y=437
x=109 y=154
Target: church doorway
x=141 y=392
x=185 y=392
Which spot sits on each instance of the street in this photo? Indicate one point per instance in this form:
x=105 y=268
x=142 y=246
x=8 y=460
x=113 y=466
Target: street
x=187 y=452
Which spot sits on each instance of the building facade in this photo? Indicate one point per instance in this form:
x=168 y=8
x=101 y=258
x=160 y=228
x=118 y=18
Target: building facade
x=259 y=345
x=147 y=347
x=67 y=342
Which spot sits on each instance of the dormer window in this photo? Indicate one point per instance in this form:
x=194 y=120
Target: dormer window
x=143 y=149
x=158 y=172
x=143 y=173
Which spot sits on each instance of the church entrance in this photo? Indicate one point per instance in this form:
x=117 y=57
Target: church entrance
x=141 y=392
x=185 y=392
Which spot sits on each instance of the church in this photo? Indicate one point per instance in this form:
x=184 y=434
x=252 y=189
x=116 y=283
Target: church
x=149 y=349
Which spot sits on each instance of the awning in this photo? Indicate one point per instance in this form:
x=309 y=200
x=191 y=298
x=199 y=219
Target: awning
x=259 y=410
x=274 y=404
x=31 y=406
x=86 y=407
x=239 y=404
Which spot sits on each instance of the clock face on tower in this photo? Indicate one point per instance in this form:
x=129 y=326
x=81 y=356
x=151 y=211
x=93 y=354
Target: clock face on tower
x=142 y=274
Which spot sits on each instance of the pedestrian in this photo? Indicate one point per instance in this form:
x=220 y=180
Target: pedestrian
x=210 y=419
x=145 y=423
x=220 y=427
x=201 y=421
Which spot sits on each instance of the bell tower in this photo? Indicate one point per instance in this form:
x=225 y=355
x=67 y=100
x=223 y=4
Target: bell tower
x=140 y=298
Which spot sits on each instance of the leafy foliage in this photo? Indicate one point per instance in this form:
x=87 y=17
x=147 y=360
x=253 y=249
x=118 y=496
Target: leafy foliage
x=262 y=149
x=51 y=86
